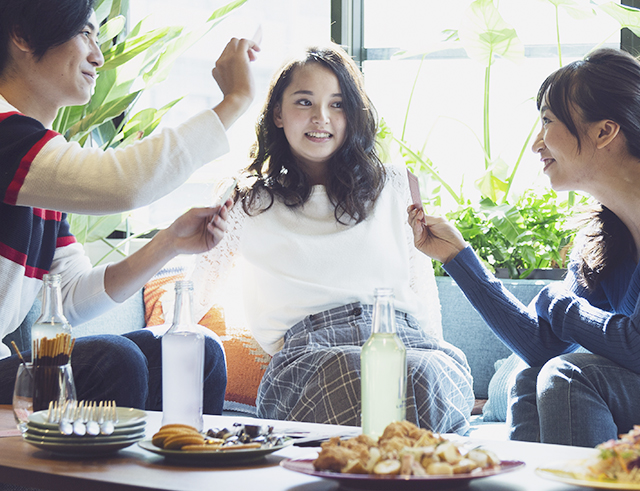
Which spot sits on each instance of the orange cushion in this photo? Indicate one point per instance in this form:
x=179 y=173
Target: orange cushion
x=246 y=360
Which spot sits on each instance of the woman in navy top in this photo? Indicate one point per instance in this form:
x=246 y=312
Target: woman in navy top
x=580 y=337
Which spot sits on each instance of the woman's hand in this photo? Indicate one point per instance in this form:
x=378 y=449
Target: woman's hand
x=434 y=236
x=233 y=75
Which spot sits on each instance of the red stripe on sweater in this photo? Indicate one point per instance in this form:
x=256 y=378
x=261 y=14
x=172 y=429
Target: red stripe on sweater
x=31 y=272
x=65 y=241
x=13 y=255
x=47 y=214
x=11 y=197
x=4 y=116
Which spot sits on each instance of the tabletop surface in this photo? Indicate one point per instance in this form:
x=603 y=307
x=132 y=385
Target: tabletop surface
x=134 y=468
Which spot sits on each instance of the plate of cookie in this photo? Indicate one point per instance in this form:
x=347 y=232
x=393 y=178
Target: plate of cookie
x=242 y=444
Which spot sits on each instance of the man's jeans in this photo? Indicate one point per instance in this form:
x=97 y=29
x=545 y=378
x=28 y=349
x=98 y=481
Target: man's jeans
x=577 y=399
x=127 y=369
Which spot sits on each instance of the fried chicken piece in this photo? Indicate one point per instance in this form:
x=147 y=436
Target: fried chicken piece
x=402 y=434
x=337 y=454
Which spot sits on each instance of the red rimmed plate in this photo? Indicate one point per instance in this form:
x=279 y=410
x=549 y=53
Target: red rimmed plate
x=371 y=481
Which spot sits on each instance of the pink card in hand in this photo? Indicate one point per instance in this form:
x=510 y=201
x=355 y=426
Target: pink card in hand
x=414 y=187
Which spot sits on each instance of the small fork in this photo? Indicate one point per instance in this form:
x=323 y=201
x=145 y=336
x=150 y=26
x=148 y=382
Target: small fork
x=84 y=418
x=107 y=423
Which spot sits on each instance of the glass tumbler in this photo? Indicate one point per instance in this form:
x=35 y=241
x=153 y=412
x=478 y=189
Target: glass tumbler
x=23 y=395
x=53 y=383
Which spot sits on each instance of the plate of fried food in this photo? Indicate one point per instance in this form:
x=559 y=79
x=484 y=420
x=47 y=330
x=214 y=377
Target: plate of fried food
x=614 y=465
x=240 y=444
x=408 y=456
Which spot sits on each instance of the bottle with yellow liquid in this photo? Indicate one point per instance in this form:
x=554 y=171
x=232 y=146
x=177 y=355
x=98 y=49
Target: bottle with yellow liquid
x=383 y=363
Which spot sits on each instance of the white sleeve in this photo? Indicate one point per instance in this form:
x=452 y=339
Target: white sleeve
x=67 y=177
x=83 y=293
x=212 y=268
x=422 y=277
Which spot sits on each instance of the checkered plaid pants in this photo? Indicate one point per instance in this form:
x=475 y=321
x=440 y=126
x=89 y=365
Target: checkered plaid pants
x=316 y=375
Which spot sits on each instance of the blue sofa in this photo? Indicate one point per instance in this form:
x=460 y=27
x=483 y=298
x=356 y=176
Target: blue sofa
x=462 y=327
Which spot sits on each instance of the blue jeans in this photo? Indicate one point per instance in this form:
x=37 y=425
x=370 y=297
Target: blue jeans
x=127 y=369
x=577 y=399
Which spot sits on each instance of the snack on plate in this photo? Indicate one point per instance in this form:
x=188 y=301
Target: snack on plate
x=175 y=437
x=403 y=449
x=241 y=437
x=618 y=460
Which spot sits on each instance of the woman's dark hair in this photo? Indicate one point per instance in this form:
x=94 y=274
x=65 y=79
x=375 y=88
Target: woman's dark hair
x=604 y=85
x=355 y=174
x=41 y=23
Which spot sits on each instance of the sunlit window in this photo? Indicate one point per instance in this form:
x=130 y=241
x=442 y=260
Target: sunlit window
x=288 y=26
x=445 y=117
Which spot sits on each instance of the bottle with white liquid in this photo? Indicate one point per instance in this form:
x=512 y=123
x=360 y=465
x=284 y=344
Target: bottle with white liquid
x=183 y=364
x=52 y=321
x=383 y=363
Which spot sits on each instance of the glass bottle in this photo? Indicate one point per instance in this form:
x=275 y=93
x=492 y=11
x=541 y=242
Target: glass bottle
x=52 y=321
x=383 y=363
x=183 y=364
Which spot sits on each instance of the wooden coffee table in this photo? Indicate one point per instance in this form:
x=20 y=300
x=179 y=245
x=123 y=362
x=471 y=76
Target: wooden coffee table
x=134 y=468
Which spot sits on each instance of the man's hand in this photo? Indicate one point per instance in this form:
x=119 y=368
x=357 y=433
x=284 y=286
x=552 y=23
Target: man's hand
x=233 y=75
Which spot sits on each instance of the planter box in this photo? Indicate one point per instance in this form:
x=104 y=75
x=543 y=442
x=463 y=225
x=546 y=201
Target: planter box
x=537 y=274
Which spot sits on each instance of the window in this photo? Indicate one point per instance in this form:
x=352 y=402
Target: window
x=287 y=26
x=447 y=106
x=446 y=112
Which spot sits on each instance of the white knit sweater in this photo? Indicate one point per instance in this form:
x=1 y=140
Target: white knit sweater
x=300 y=261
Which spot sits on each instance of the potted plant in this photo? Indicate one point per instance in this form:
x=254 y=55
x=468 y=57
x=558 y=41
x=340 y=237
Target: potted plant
x=520 y=233
x=135 y=60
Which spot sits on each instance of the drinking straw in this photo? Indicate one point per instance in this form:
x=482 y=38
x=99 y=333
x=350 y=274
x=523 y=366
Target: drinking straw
x=15 y=347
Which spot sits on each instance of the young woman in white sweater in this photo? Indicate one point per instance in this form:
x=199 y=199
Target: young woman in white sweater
x=320 y=225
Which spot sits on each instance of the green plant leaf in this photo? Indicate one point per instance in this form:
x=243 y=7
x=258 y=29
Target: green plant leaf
x=628 y=17
x=102 y=9
x=492 y=184
x=427 y=166
x=173 y=50
x=129 y=49
x=225 y=10
x=91 y=228
x=485 y=35
x=506 y=218
x=143 y=123
x=578 y=9
x=175 y=47
x=104 y=113
x=112 y=28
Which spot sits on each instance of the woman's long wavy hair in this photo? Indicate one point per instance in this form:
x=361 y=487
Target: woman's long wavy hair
x=355 y=174
x=605 y=85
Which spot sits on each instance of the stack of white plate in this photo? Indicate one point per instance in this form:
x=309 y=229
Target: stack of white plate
x=129 y=429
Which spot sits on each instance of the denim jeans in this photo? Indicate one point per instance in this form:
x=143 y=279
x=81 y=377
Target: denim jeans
x=127 y=369
x=577 y=399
